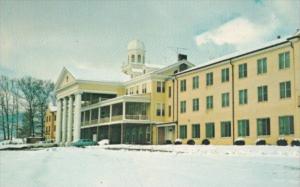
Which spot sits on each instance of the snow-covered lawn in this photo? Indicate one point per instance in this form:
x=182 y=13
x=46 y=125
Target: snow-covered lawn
x=167 y=166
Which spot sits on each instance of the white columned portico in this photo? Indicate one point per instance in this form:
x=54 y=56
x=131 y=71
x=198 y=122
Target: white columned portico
x=64 y=121
x=58 y=122
x=70 y=119
x=77 y=114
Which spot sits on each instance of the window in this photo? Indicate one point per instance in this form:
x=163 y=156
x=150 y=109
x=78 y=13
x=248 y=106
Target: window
x=261 y=66
x=243 y=70
x=144 y=88
x=284 y=60
x=158 y=109
x=183 y=132
x=209 y=79
x=139 y=58
x=263 y=126
x=243 y=127
x=210 y=130
x=225 y=75
x=137 y=90
x=262 y=92
x=286 y=125
x=170 y=110
x=160 y=87
x=170 y=91
x=195 y=104
x=195 y=82
x=285 y=89
x=126 y=91
x=209 y=102
x=131 y=91
x=225 y=99
x=243 y=97
x=225 y=129
x=196 y=131
x=182 y=106
x=183 y=85
x=132 y=58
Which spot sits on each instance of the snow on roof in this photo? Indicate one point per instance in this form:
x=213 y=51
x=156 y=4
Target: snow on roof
x=241 y=53
x=92 y=74
x=173 y=65
x=137 y=70
x=154 y=65
x=52 y=107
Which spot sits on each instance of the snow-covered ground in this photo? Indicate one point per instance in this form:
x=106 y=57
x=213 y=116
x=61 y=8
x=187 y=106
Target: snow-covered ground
x=154 y=166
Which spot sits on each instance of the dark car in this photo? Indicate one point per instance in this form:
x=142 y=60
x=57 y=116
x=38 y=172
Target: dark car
x=84 y=142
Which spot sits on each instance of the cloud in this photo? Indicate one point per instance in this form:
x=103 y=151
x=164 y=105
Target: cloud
x=239 y=32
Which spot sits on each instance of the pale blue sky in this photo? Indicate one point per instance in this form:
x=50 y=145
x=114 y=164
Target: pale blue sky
x=38 y=38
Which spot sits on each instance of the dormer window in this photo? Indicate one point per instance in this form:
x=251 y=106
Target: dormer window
x=132 y=58
x=139 y=58
x=67 y=78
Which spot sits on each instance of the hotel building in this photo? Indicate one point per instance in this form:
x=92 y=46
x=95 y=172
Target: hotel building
x=249 y=95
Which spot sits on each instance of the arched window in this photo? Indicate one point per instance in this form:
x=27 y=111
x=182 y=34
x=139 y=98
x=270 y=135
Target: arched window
x=139 y=58
x=132 y=58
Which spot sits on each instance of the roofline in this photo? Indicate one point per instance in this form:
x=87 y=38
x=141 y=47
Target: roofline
x=238 y=56
x=113 y=83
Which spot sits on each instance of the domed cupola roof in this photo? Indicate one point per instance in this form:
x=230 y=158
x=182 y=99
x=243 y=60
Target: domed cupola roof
x=135 y=44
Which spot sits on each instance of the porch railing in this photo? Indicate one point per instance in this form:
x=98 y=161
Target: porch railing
x=137 y=117
x=116 y=118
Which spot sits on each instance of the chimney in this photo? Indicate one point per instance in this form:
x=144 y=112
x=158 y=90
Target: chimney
x=182 y=57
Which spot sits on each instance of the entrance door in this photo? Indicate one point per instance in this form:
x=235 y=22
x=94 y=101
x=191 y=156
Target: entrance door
x=169 y=133
x=161 y=135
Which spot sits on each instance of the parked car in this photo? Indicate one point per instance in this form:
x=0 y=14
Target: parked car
x=84 y=142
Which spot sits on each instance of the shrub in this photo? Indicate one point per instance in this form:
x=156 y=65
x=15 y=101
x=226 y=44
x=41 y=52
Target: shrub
x=261 y=142
x=205 y=142
x=239 y=142
x=178 y=142
x=295 y=143
x=191 y=142
x=168 y=142
x=282 y=142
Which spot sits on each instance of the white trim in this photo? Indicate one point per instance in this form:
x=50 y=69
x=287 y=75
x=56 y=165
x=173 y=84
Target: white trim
x=166 y=125
x=118 y=122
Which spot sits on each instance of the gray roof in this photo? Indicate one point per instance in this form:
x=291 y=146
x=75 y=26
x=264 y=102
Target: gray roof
x=243 y=52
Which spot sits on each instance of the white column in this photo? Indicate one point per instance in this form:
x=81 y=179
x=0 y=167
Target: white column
x=99 y=115
x=77 y=114
x=70 y=118
x=110 y=112
x=58 y=122
x=64 y=121
x=124 y=108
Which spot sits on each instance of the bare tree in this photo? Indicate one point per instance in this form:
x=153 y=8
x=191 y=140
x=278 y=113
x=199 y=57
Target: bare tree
x=2 y=115
x=44 y=88
x=15 y=105
x=5 y=103
x=28 y=86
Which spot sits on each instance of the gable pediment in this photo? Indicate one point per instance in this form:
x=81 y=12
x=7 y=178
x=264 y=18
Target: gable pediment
x=65 y=78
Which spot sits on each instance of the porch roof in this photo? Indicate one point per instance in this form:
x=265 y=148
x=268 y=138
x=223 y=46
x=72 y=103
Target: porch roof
x=125 y=98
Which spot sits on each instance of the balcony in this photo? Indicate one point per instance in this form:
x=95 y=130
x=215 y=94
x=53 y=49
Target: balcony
x=125 y=109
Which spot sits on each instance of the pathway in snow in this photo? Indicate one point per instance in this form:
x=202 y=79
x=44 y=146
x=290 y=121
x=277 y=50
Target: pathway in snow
x=197 y=166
